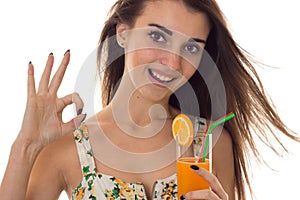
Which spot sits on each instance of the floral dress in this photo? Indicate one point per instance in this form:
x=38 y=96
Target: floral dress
x=95 y=185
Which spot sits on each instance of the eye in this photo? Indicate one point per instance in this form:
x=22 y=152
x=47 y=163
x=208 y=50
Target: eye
x=157 y=36
x=192 y=48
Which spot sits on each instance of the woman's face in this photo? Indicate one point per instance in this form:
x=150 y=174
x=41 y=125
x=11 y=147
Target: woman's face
x=164 y=47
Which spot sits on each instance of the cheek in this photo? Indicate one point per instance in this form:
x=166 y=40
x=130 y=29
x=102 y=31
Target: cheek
x=141 y=57
x=188 y=69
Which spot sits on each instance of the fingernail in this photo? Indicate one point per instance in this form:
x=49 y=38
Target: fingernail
x=83 y=118
x=182 y=197
x=51 y=54
x=194 y=167
x=79 y=111
x=29 y=62
x=67 y=52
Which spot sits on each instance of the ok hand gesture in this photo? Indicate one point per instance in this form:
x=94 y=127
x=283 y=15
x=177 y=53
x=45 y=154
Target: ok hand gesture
x=42 y=122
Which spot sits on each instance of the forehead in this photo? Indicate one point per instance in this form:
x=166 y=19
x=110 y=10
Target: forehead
x=175 y=16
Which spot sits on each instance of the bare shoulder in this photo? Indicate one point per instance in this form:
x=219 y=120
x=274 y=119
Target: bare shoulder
x=53 y=168
x=223 y=142
x=60 y=151
x=64 y=158
x=223 y=161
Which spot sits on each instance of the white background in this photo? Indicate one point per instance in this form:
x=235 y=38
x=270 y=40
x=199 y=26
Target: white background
x=268 y=29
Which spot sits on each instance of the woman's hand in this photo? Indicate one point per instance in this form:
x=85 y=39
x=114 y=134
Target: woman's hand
x=42 y=122
x=216 y=193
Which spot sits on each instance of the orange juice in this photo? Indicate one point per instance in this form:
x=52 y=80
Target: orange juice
x=187 y=179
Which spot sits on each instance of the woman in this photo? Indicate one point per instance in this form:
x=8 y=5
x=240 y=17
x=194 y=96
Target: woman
x=57 y=166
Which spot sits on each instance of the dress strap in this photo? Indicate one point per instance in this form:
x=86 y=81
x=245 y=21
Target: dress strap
x=201 y=125
x=84 y=150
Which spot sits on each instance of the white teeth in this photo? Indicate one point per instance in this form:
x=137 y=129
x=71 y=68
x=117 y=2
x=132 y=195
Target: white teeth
x=161 y=77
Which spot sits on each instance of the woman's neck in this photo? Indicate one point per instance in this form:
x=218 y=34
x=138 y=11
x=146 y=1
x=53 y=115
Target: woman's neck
x=135 y=113
x=132 y=106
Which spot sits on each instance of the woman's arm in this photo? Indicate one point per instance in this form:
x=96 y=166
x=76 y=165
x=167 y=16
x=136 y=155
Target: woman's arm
x=54 y=170
x=21 y=160
x=223 y=163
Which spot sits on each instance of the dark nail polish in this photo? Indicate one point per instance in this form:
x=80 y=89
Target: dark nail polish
x=182 y=197
x=194 y=167
x=83 y=118
x=51 y=54
x=29 y=62
x=79 y=111
x=67 y=51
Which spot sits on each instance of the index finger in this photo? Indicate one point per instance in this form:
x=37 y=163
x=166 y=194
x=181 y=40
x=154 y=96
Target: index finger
x=69 y=99
x=58 y=76
x=212 y=180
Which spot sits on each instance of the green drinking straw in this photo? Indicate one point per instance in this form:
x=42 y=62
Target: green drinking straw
x=208 y=132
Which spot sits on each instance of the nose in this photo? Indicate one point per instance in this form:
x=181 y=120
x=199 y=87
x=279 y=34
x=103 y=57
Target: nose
x=171 y=60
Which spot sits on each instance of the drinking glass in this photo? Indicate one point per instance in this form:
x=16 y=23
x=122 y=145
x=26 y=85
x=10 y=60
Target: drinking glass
x=192 y=154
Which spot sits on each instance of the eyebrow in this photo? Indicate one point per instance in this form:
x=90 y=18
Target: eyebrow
x=164 y=29
x=197 y=40
x=169 y=32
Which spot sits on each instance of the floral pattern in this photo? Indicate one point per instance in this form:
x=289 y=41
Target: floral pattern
x=111 y=187
x=169 y=190
x=126 y=191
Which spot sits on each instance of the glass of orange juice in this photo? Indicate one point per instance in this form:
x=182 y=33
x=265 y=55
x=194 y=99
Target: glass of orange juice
x=189 y=150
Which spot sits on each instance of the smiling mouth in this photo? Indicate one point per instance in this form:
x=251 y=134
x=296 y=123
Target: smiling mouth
x=160 y=77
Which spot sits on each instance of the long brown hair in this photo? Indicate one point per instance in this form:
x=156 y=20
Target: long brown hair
x=245 y=94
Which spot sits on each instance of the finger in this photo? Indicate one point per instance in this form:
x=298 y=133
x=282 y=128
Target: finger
x=201 y=194
x=31 y=92
x=73 y=123
x=78 y=103
x=44 y=83
x=58 y=76
x=212 y=180
x=68 y=100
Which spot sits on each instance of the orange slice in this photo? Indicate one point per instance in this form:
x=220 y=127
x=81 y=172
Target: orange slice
x=183 y=126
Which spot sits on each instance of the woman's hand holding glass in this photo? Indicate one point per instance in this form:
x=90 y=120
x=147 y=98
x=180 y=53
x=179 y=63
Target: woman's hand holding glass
x=194 y=152
x=42 y=122
x=216 y=193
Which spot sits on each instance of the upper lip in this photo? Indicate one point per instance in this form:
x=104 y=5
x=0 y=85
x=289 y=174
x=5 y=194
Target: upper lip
x=161 y=76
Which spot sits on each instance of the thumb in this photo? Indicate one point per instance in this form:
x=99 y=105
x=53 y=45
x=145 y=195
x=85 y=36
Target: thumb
x=78 y=120
x=73 y=123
